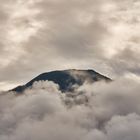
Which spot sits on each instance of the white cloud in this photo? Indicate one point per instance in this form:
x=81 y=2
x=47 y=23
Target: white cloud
x=37 y=35
x=111 y=113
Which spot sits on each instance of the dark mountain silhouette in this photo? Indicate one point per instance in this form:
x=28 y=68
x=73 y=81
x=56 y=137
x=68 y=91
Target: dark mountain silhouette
x=66 y=79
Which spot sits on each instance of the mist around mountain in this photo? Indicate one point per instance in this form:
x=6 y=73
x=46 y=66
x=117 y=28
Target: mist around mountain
x=67 y=80
x=93 y=111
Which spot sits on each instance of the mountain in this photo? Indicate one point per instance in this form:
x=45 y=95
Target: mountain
x=66 y=79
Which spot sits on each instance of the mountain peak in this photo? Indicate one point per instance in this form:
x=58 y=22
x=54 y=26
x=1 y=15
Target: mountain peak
x=66 y=79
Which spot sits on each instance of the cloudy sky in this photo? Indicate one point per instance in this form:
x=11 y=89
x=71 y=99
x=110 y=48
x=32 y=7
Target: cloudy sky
x=43 y=35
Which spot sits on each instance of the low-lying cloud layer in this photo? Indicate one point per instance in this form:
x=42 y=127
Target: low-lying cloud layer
x=102 y=111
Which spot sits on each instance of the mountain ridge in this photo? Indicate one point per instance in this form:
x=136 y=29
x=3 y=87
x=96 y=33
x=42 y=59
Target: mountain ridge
x=66 y=79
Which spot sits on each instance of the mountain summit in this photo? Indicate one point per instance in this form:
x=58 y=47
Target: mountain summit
x=66 y=79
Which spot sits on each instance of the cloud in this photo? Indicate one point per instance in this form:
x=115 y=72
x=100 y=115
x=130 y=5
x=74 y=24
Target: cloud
x=42 y=35
x=110 y=113
x=39 y=31
x=102 y=35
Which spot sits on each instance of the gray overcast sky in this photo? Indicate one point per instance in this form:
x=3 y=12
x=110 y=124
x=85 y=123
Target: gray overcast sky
x=44 y=35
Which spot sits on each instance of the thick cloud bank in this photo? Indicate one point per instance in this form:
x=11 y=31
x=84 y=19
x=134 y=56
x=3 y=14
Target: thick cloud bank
x=102 y=111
